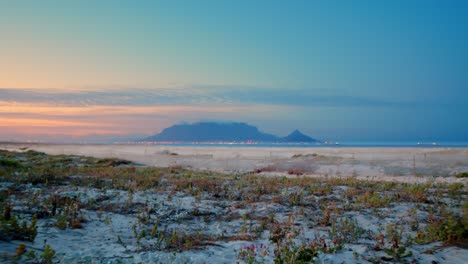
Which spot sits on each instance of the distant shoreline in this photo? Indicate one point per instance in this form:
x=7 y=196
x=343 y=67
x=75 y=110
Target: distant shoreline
x=268 y=145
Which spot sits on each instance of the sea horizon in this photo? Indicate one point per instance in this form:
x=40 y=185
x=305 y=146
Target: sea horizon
x=331 y=144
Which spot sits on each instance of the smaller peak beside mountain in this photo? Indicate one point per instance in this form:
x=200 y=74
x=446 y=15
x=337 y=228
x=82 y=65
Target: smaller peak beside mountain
x=297 y=136
x=296 y=133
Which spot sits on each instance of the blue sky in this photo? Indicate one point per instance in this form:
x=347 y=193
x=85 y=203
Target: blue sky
x=338 y=70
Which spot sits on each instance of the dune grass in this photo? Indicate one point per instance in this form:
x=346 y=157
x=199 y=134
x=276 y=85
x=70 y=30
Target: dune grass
x=326 y=204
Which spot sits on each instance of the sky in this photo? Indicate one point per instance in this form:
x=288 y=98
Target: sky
x=336 y=70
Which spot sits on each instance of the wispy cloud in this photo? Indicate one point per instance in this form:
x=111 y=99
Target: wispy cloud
x=196 y=96
x=122 y=111
x=27 y=112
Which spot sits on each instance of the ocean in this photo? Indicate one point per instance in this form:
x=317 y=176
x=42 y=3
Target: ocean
x=369 y=144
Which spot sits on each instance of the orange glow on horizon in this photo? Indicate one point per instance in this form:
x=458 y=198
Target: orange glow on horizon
x=43 y=118
x=44 y=109
x=31 y=122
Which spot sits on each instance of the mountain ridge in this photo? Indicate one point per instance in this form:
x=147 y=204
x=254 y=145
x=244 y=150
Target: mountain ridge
x=223 y=132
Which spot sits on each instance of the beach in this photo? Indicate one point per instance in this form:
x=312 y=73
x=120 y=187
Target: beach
x=192 y=204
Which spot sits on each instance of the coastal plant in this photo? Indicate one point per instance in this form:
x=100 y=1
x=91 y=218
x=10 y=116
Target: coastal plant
x=321 y=189
x=329 y=211
x=119 y=240
x=253 y=253
x=47 y=255
x=8 y=163
x=286 y=250
x=107 y=220
x=282 y=232
x=159 y=239
x=61 y=222
x=172 y=241
x=462 y=175
x=295 y=198
x=179 y=241
x=291 y=251
x=7 y=209
x=456 y=190
x=394 y=235
x=70 y=217
x=345 y=230
x=20 y=250
x=154 y=230
x=371 y=199
x=12 y=229
x=379 y=242
x=31 y=256
x=412 y=219
x=417 y=193
x=243 y=228
x=141 y=235
x=447 y=228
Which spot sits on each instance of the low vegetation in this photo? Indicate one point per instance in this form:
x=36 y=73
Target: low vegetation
x=280 y=219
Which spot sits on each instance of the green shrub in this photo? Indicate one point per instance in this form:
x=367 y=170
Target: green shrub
x=462 y=175
x=12 y=230
x=371 y=199
x=448 y=229
x=395 y=237
x=10 y=163
x=345 y=231
x=62 y=222
x=48 y=255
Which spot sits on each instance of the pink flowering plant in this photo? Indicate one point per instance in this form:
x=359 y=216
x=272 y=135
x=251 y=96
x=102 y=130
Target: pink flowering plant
x=253 y=253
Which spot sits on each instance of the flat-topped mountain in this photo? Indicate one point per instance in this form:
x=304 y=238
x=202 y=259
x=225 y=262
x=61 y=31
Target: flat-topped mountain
x=222 y=132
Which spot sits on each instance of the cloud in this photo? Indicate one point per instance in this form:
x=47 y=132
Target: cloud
x=146 y=111
x=46 y=116
x=196 y=96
